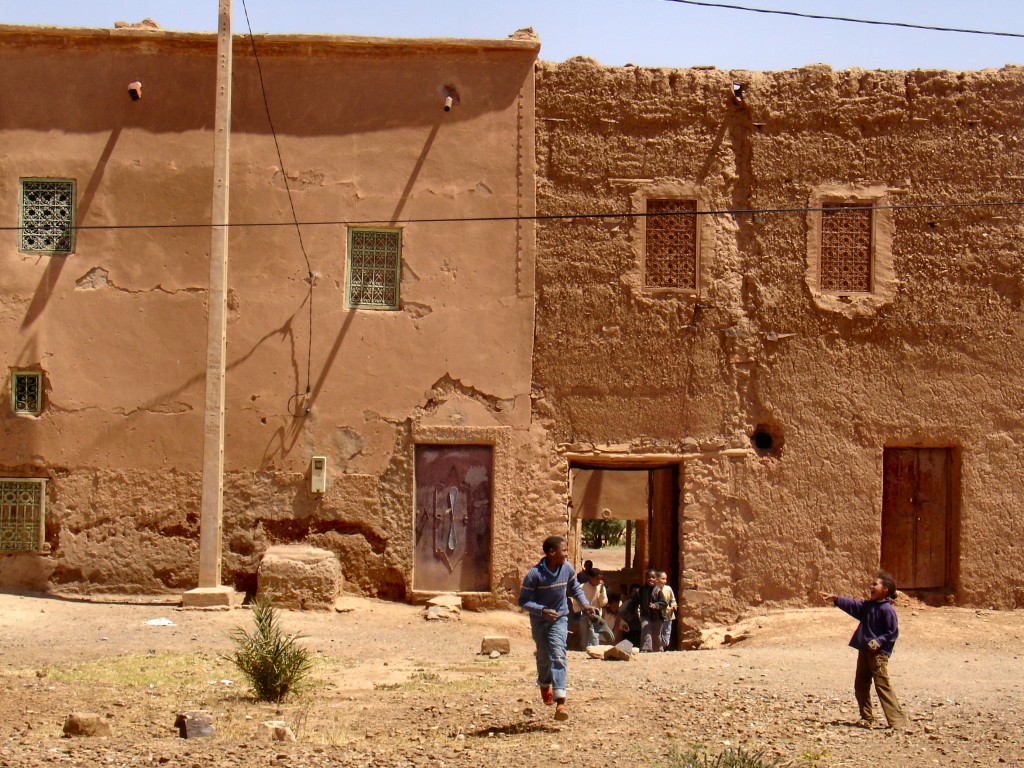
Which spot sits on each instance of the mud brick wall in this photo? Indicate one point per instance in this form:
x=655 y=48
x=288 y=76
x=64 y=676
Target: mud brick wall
x=932 y=358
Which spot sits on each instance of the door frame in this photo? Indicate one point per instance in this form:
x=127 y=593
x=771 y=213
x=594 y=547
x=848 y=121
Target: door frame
x=502 y=483
x=648 y=464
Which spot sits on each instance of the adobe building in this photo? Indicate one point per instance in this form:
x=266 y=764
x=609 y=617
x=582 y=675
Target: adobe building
x=392 y=337
x=771 y=320
x=794 y=351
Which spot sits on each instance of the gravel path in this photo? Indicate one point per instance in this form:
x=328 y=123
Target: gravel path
x=392 y=689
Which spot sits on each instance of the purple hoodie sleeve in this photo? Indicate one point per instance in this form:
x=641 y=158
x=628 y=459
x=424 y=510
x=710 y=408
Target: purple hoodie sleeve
x=851 y=606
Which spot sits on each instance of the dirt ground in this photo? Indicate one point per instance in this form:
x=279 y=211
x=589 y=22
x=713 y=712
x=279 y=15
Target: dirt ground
x=393 y=689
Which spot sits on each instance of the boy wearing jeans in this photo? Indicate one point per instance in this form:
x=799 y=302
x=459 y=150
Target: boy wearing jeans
x=543 y=595
x=874 y=640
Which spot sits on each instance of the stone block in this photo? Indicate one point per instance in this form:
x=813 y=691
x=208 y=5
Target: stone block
x=212 y=597
x=86 y=724
x=197 y=724
x=441 y=613
x=453 y=602
x=275 y=730
x=300 y=577
x=492 y=643
x=622 y=651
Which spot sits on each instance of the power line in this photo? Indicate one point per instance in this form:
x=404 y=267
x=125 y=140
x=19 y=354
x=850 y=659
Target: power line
x=288 y=189
x=875 y=22
x=540 y=217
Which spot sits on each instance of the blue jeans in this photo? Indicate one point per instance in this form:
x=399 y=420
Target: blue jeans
x=550 y=638
x=666 y=635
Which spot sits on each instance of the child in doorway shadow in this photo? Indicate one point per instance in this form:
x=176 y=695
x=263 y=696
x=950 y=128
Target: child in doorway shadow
x=668 y=613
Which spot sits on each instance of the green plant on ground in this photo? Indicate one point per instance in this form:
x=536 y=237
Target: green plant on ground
x=728 y=758
x=812 y=757
x=163 y=670
x=271 y=661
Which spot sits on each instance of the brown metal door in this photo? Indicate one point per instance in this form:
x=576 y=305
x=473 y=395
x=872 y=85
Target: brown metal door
x=916 y=512
x=453 y=518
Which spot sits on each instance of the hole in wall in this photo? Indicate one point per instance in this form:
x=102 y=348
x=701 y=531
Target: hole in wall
x=767 y=439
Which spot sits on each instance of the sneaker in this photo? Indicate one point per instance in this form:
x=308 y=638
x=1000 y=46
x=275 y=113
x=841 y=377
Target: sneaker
x=561 y=712
x=865 y=723
x=547 y=695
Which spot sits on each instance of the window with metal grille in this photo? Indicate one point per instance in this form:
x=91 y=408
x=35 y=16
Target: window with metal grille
x=47 y=216
x=374 y=267
x=26 y=392
x=846 y=247
x=22 y=514
x=670 y=259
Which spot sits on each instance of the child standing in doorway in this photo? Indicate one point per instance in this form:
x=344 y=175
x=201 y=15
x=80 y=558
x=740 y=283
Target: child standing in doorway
x=668 y=613
x=874 y=640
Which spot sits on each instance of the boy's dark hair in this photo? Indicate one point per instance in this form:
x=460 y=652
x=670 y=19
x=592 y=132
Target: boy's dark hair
x=595 y=572
x=888 y=582
x=551 y=543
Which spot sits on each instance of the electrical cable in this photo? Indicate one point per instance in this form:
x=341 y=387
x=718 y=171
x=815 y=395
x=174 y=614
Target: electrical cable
x=543 y=217
x=875 y=22
x=291 y=202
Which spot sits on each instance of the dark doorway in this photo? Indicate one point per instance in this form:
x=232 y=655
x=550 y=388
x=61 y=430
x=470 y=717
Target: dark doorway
x=645 y=499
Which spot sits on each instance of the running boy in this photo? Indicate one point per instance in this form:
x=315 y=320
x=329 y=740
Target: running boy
x=543 y=595
x=874 y=640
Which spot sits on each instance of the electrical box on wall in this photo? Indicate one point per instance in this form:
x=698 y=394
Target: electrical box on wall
x=318 y=474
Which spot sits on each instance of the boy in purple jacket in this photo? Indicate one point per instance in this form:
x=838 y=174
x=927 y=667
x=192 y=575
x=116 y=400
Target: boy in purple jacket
x=874 y=640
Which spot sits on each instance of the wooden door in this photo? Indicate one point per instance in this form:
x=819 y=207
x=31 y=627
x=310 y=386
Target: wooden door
x=453 y=518
x=664 y=531
x=664 y=522
x=916 y=516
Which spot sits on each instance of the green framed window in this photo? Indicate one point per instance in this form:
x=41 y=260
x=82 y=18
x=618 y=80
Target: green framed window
x=47 y=217
x=26 y=392
x=374 y=268
x=22 y=514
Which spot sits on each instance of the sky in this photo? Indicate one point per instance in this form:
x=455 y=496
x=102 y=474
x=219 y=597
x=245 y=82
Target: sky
x=662 y=33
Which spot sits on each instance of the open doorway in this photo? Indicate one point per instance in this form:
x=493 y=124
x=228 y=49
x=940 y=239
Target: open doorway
x=642 y=504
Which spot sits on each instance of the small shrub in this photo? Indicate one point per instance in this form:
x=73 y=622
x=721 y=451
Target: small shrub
x=273 y=662
x=729 y=758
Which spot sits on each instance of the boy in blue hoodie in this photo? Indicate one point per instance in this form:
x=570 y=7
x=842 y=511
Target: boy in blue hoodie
x=874 y=640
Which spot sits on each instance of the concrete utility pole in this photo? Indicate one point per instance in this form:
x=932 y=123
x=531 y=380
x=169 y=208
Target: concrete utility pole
x=210 y=591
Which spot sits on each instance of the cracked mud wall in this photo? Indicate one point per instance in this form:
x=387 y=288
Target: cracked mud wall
x=118 y=328
x=935 y=363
